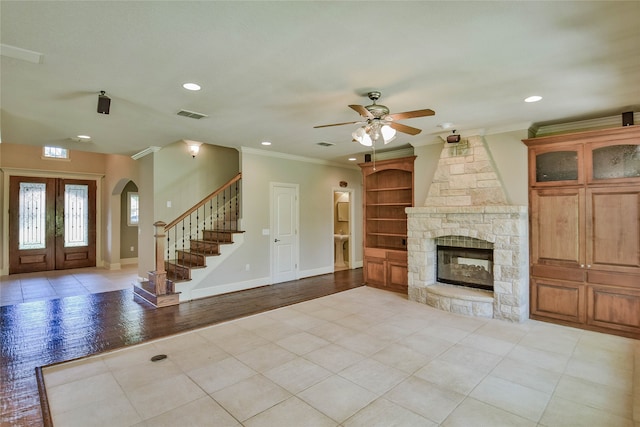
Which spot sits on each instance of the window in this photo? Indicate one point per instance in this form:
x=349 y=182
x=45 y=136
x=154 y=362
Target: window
x=133 y=209
x=55 y=153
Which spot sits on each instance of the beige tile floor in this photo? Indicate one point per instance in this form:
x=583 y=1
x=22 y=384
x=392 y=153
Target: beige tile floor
x=47 y=285
x=363 y=357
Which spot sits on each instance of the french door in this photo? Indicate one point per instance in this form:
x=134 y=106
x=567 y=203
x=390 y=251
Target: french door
x=52 y=224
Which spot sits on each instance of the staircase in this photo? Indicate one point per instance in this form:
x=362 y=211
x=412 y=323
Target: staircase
x=190 y=239
x=179 y=269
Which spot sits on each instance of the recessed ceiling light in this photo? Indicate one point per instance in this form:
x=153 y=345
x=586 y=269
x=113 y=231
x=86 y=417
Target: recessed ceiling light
x=352 y=159
x=191 y=86
x=85 y=137
x=534 y=98
x=445 y=125
x=265 y=143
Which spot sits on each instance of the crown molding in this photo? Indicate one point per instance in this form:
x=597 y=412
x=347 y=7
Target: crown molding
x=582 y=125
x=279 y=155
x=148 y=150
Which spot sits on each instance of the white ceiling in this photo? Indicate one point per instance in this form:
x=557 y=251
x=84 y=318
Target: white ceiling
x=273 y=70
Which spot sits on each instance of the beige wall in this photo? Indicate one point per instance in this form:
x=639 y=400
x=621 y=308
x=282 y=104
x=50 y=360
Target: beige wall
x=30 y=157
x=184 y=180
x=509 y=155
x=106 y=169
x=128 y=233
x=119 y=170
x=146 y=231
x=316 y=181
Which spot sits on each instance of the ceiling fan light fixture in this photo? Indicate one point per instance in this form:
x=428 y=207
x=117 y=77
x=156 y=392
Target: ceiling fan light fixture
x=379 y=124
x=360 y=135
x=388 y=133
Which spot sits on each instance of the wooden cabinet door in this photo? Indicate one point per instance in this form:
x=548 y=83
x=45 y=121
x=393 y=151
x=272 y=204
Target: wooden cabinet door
x=557 y=227
x=558 y=299
x=374 y=271
x=613 y=229
x=614 y=308
x=398 y=276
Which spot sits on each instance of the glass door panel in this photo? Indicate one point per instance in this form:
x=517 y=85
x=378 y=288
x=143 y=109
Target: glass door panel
x=31 y=215
x=616 y=161
x=76 y=215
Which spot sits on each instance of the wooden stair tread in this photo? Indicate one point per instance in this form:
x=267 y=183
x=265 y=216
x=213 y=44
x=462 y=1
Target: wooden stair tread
x=178 y=270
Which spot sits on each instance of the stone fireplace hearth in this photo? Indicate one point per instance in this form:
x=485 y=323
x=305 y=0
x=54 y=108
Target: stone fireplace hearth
x=466 y=200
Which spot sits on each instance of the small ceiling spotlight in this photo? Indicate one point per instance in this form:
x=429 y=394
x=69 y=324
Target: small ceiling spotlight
x=454 y=138
x=193 y=147
x=265 y=143
x=534 y=98
x=104 y=102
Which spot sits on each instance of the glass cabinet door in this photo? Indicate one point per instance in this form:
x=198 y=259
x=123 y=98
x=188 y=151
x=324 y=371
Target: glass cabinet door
x=557 y=166
x=615 y=161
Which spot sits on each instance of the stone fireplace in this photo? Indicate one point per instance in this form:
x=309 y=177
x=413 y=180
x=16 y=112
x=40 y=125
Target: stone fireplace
x=467 y=208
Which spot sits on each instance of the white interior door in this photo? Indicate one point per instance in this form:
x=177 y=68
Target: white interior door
x=284 y=232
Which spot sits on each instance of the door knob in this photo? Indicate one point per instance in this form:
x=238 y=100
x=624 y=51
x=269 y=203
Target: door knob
x=276 y=240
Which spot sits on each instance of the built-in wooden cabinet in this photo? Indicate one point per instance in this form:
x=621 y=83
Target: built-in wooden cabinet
x=584 y=197
x=388 y=190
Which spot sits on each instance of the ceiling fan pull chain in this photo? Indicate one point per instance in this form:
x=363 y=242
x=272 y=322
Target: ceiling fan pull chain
x=373 y=148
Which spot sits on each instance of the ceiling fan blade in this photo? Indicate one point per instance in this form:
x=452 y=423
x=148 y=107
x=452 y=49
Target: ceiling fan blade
x=335 y=124
x=404 y=128
x=362 y=111
x=411 y=114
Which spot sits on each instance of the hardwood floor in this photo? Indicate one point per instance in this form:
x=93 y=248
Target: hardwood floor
x=42 y=333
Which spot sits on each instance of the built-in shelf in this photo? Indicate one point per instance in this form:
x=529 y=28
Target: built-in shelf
x=388 y=191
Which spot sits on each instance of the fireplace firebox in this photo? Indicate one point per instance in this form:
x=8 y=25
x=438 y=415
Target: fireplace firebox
x=471 y=267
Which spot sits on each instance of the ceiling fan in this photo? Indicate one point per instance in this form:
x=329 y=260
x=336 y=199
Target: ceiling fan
x=379 y=123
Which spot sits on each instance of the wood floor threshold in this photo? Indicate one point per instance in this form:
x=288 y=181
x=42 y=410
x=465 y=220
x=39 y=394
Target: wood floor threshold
x=32 y=338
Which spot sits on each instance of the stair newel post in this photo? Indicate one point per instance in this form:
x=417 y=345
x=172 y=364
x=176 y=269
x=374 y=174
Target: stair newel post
x=160 y=279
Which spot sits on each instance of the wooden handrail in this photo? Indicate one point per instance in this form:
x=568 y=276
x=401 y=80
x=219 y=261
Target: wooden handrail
x=203 y=201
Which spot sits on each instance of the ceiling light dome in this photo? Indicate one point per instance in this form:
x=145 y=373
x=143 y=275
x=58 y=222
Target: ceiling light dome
x=388 y=133
x=361 y=136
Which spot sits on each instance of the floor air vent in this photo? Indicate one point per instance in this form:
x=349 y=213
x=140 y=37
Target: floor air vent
x=191 y=114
